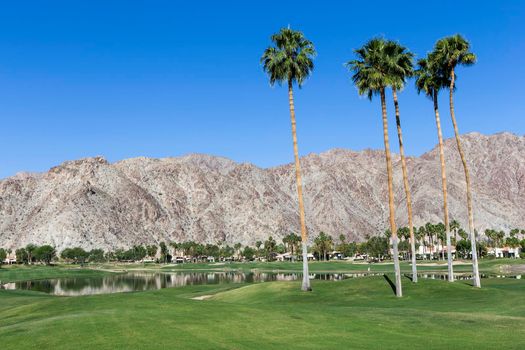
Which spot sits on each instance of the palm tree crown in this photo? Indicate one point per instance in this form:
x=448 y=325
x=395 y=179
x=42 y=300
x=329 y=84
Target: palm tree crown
x=291 y=59
x=380 y=63
x=399 y=64
x=369 y=76
x=453 y=51
x=430 y=78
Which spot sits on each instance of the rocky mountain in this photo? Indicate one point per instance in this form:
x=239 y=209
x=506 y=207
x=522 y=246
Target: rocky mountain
x=95 y=204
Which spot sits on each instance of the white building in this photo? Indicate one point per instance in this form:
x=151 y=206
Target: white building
x=10 y=259
x=504 y=252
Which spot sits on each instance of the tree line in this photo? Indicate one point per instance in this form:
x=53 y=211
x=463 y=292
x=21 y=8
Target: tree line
x=374 y=247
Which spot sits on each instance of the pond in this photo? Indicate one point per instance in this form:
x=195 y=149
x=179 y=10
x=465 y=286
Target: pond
x=142 y=281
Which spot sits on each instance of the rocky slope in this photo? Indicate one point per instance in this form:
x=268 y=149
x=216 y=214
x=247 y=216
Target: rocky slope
x=92 y=203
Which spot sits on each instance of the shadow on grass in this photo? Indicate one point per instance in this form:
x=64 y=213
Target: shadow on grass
x=392 y=285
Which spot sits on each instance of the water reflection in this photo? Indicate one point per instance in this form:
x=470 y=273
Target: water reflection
x=141 y=281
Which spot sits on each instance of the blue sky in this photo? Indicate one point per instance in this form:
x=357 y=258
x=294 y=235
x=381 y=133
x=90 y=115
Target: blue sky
x=160 y=78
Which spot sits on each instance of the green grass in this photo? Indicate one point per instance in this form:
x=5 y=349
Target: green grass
x=486 y=265
x=360 y=313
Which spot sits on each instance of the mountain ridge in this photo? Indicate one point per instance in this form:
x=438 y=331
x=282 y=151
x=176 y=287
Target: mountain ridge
x=93 y=203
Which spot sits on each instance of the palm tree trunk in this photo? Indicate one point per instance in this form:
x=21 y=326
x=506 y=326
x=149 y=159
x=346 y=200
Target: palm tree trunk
x=407 y=187
x=444 y=184
x=475 y=269
x=399 y=291
x=306 y=277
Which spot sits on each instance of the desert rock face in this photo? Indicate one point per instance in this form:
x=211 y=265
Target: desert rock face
x=94 y=204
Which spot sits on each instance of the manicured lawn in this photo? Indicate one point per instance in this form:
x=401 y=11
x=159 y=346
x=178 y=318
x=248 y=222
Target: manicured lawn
x=360 y=313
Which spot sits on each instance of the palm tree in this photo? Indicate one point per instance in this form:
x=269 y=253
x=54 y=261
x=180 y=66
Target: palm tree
x=455 y=226
x=371 y=78
x=430 y=230
x=420 y=236
x=430 y=80
x=290 y=60
x=293 y=242
x=399 y=69
x=451 y=52
x=323 y=243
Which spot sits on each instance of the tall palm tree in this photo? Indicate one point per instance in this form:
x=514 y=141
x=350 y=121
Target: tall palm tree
x=451 y=52
x=290 y=60
x=430 y=79
x=371 y=78
x=400 y=68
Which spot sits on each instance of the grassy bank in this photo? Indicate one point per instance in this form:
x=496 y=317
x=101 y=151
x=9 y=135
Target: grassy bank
x=356 y=313
x=486 y=265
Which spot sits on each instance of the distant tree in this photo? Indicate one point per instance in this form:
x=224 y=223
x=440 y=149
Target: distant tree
x=440 y=231
x=3 y=256
x=377 y=246
x=404 y=247
x=512 y=242
x=280 y=249
x=21 y=256
x=286 y=242
x=403 y=233
x=237 y=246
x=45 y=254
x=76 y=255
x=96 y=255
x=420 y=235
x=212 y=250
x=30 y=249
x=431 y=232
x=163 y=252
x=348 y=249
x=322 y=244
x=454 y=227
x=293 y=241
x=139 y=252
x=110 y=256
x=269 y=247
x=463 y=248
x=258 y=245
x=151 y=250
x=462 y=233
x=522 y=245
x=248 y=253
x=496 y=238
x=481 y=249
x=227 y=251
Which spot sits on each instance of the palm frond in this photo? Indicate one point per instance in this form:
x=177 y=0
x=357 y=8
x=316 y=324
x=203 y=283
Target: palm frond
x=290 y=59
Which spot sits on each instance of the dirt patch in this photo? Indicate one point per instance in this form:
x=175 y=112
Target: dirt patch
x=202 y=297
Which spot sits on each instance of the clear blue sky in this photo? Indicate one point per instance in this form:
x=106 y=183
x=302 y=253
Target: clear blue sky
x=160 y=78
